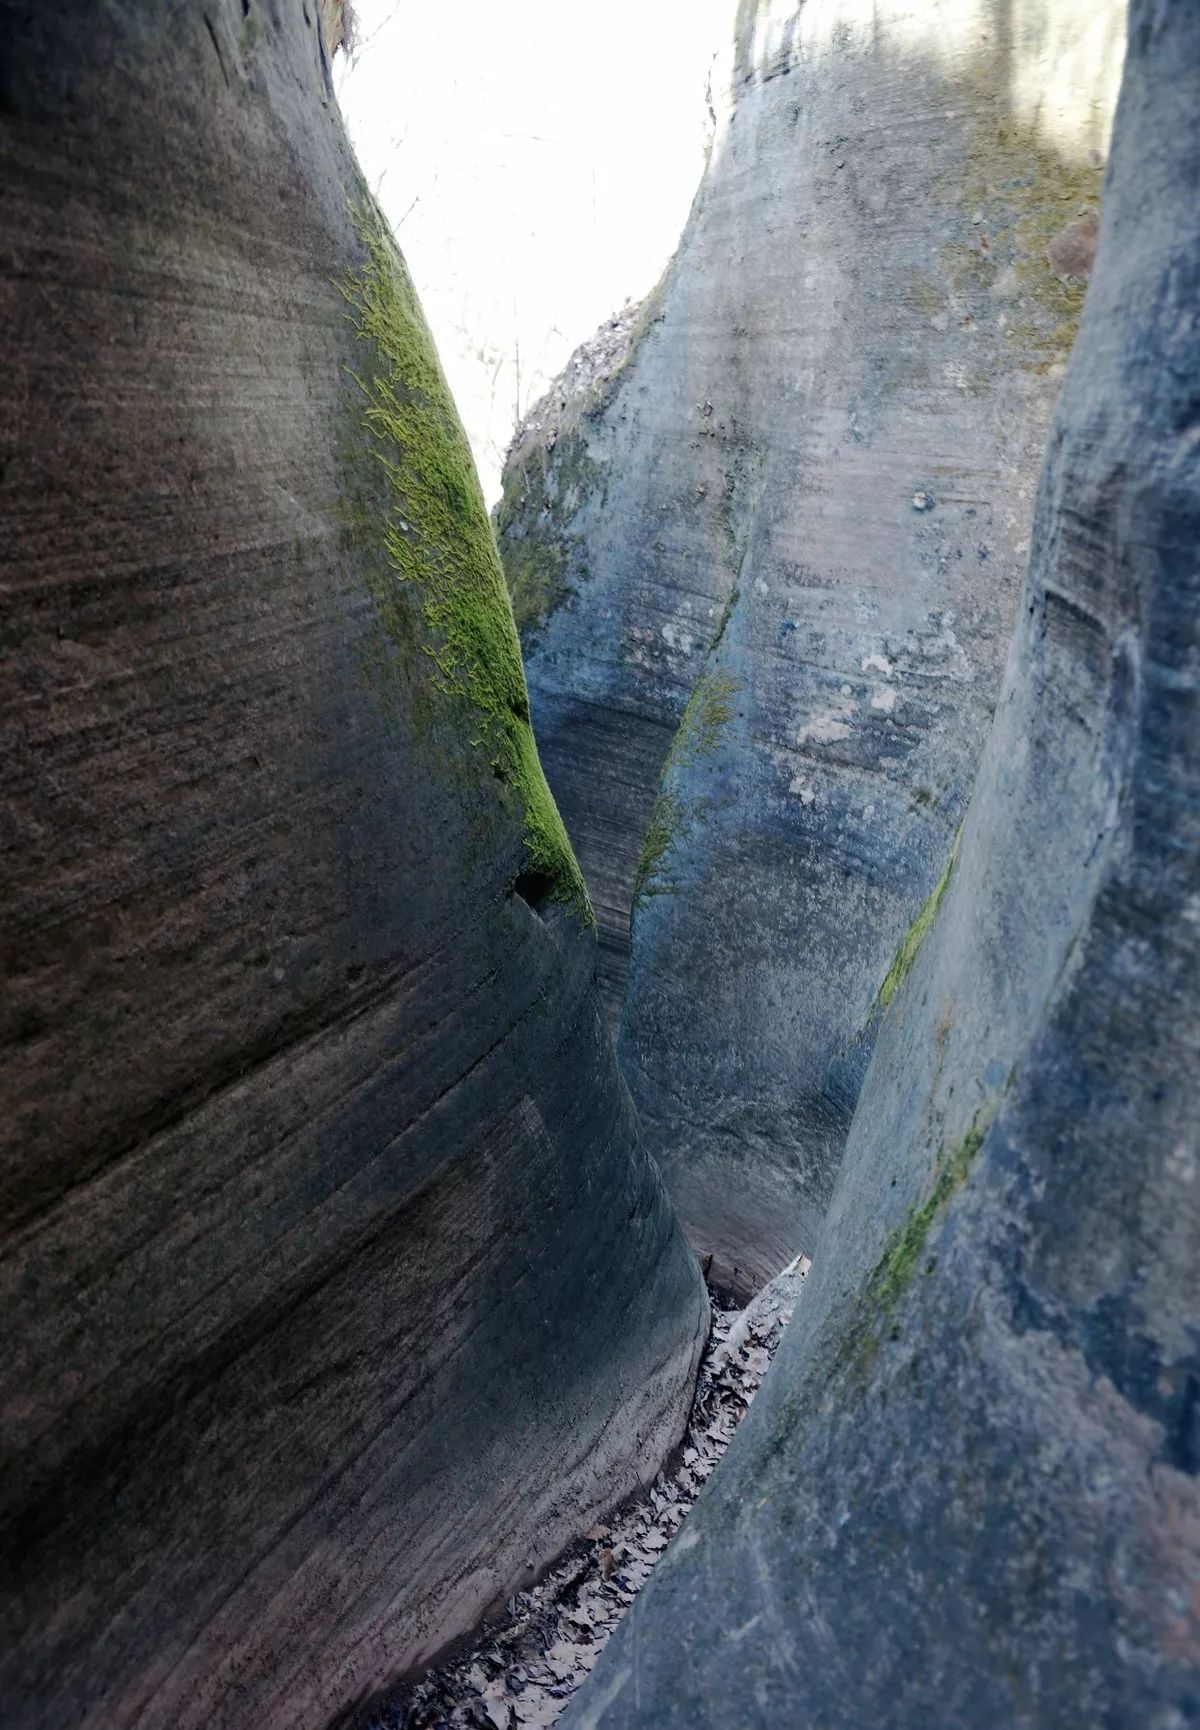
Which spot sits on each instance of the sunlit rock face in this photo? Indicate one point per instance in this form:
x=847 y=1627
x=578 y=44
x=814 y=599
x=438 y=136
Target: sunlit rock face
x=805 y=507
x=338 y=1293
x=968 y=1493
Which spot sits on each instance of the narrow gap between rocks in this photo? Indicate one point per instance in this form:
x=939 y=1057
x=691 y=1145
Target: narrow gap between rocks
x=519 y=1673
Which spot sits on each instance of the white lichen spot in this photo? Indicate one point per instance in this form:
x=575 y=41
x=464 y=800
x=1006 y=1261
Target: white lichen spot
x=1181 y=1163
x=846 y=690
x=802 y=788
x=675 y=637
x=885 y=699
x=1007 y=284
x=878 y=664
x=825 y=728
x=761 y=587
x=945 y=647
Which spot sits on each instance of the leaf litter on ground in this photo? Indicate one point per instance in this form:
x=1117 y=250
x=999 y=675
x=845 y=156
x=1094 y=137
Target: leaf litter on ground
x=519 y=1672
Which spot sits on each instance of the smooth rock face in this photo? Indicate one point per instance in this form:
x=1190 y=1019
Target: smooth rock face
x=967 y=1493
x=806 y=504
x=338 y=1292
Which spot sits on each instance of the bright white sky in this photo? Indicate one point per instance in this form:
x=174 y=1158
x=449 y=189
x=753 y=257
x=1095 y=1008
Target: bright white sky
x=537 y=159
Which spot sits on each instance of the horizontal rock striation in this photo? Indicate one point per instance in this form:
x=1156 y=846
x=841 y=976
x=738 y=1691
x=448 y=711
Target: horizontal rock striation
x=338 y=1291
x=969 y=1490
x=790 y=542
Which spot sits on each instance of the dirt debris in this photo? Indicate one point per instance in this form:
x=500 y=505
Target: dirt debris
x=519 y=1673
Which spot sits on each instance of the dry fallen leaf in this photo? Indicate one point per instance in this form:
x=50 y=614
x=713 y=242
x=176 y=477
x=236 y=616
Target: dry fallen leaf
x=521 y=1675
x=496 y=1705
x=538 y=1714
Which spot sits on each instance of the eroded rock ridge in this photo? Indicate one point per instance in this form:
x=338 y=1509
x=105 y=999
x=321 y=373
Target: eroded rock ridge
x=338 y=1292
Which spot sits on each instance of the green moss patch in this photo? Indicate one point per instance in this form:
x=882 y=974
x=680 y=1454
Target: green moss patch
x=543 y=558
x=893 y=1272
x=536 y=572
x=708 y=710
x=666 y=821
x=439 y=545
x=872 y=1315
x=916 y=934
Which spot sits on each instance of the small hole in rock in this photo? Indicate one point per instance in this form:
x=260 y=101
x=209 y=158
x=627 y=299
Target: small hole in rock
x=535 y=888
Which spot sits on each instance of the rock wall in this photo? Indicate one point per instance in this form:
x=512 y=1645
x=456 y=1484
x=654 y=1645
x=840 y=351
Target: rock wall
x=787 y=545
x=969 y=1490
x=338 y=1292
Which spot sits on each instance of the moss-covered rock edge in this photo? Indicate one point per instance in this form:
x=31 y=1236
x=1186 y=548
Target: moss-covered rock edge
x=916 y=934
x=437 y=538
x=706 y=712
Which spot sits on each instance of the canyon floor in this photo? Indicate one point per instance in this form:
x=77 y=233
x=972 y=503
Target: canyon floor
x=520 y=1672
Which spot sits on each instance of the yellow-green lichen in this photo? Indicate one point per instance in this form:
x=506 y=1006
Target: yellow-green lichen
x=536 y=572
x=439 y=544
x=916 y=934
x=666 y=821
x=707 y=711
x=893 y=1272
x=1018 y=193
x=872 y=1315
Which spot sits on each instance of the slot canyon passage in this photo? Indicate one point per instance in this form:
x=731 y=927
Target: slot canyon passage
x=760 y=699
x=362 y=1152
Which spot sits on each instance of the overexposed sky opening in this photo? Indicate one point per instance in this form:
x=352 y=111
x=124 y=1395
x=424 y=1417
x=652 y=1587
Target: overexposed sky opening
x=537 y=160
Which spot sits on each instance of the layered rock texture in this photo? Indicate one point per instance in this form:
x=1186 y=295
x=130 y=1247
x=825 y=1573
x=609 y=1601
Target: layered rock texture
x=776 y=558
x=338 y=1292
x=968 y=1492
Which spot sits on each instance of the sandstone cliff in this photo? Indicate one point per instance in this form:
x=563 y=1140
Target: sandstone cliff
x=338 y=1293
x=776 y=560
x=969 y=1491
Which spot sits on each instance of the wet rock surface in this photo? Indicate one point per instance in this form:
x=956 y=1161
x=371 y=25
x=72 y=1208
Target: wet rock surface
x=339 y=1293
x=968 y=1493
x=520 y=1673
x=789 y=547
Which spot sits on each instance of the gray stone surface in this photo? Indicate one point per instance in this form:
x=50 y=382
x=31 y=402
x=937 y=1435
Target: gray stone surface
x=968 y=1493
x=338 y=1293
x=806 y=500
